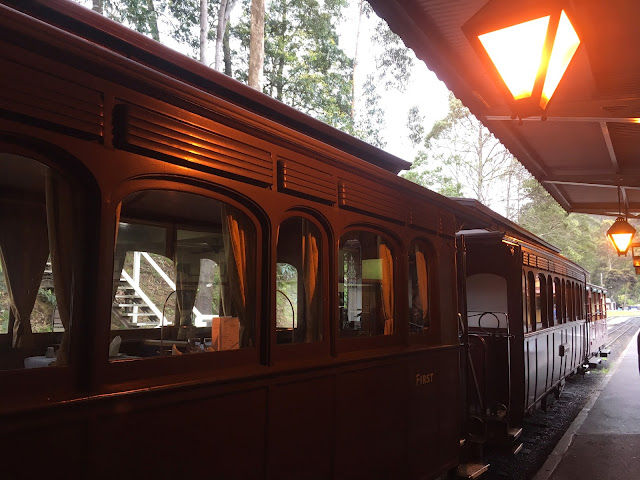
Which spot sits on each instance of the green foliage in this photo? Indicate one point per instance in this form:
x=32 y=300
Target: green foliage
x=140 y=15
x=458 y=154
x=304 y=66
x=620 y=283
x=394 y=61
x=287 y=291
x=48 y=297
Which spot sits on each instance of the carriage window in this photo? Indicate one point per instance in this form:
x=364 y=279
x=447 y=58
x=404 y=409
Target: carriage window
x=531 y=299
x=365 y=288
x=183 y=277
x=557 y=305
x=419 y=320
x=36 y=250
x=541 y=320
x=525 y=302
x=299 y=282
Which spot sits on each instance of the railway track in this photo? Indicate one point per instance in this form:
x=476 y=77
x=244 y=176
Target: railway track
x=623 y=328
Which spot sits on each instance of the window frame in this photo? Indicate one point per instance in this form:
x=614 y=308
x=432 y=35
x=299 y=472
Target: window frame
x=25 y=387
x=285 y=352
x=150 y=371
x=400 y=324
x=432 y=334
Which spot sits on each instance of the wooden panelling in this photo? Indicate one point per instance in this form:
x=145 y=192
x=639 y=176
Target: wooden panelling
x=536 y=261
x=447 y=224
x=424 y=216
x=373 y=198
x=301 y=178
x=36 y=97
x=204 y=142
x=429 y=218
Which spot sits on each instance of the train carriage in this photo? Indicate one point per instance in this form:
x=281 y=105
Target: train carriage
x=527 y=322
x=596 y=310
x=199 y=280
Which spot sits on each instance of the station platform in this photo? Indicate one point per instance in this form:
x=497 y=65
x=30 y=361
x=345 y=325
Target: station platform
x=604 y=440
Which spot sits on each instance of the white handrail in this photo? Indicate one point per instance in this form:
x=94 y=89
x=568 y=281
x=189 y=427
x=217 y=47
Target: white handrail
x=135 y=284
x=144 y=297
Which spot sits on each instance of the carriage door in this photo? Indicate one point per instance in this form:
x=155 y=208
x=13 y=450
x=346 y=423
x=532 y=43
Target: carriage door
x=489 y=388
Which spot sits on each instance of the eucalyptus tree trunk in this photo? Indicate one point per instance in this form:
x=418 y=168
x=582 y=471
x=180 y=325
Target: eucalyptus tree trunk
x=226 y=48
x=256 y=44
x=355 y=62
x=223 y=21
x=98 y=7
x=153 y=21
x=204 y=23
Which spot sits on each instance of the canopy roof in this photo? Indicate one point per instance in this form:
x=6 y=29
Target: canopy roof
x=589 y=143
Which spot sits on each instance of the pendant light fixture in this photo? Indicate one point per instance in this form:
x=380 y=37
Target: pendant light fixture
x=621 y=233
x=526 y=46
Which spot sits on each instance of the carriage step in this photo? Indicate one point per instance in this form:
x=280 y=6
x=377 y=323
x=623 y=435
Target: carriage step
x=514 y=433
x=605 y=352
x=516 y=449
x=594 y=361
x=471 y=470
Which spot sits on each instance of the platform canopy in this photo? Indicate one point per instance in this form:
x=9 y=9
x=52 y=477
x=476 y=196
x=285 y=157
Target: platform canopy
x=586 y=142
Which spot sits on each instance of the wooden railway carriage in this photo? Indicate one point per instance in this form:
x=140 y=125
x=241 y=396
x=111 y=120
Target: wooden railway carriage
x=596 y=309
x=527 y=322
x=200 y=281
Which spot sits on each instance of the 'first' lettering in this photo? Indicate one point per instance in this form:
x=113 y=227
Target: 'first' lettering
x=423 y=379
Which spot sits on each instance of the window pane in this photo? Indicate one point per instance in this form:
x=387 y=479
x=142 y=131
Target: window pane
x=525 y=302
x=365 y=285
x=299 y=282
x=531 y=291
x=35 y=285
x=419 y=320
x=184 y=275
x=538 y=302
x=541 y=291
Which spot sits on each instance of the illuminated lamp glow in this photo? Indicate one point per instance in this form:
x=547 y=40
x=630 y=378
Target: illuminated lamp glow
x=564 y=47
x=621 y=233
x=516 y=52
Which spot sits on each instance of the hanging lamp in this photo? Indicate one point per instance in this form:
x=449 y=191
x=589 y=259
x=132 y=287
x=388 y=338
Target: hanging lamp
x=526 y=46
x=621 y=233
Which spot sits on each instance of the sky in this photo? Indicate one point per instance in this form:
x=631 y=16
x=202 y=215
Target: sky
x=424 y=88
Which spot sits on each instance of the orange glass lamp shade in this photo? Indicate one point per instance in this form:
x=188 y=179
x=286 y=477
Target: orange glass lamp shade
x=621 y=234
x=635 y=253
x=528 y=46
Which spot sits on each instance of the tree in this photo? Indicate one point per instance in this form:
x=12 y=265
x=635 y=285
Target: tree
x=204 y=31
x=224 y=13
x=256 y=44
x=618 y=283
x=304 y=65
x=140 y=15
x=460 y=153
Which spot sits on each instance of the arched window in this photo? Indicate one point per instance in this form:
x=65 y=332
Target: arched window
x=551 y=308
x=183 y=277
x=525 y=302
x=365 y=285
x=531 y=294
x=299 y=282
x=419 y=292
x=557 y=301
x=541 y=301
x=39 y=226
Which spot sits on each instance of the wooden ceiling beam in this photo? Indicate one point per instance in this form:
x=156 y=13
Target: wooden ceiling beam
x=604 y=181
